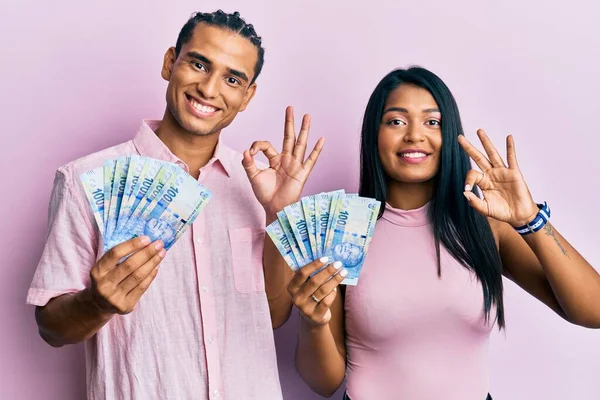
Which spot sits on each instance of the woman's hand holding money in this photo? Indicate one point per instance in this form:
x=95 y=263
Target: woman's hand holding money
x=117 y=287
x=313 y=295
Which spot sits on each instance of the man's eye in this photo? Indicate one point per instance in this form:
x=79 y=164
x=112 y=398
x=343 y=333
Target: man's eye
x=233 y=81
x=199 y=66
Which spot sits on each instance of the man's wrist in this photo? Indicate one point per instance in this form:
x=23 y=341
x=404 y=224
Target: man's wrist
x=270 y=217
x=89 y=302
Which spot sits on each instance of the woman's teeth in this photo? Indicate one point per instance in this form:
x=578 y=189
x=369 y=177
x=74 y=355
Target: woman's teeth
x=413 y=155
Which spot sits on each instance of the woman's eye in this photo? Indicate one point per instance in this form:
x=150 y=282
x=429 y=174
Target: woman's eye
x=396 y=122
x=434 y=122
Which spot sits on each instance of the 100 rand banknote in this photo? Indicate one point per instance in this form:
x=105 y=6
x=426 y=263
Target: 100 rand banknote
x=165 y=175
x=167 y=209
x=116 y=197
x=173 y=208
x=93 y=186
x=283 y=245
x=352 y=228
x=136 y=188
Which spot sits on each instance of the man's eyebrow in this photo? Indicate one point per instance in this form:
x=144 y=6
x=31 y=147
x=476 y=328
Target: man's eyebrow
x=198 y=56
x=239 y=74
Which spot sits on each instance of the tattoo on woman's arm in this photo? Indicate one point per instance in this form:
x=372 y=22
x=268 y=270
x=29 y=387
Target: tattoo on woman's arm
x=550 y=232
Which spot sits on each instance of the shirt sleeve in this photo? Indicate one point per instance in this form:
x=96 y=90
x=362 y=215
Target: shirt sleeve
x=71 y=244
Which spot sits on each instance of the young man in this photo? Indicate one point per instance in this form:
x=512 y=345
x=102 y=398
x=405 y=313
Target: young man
x=202 y=327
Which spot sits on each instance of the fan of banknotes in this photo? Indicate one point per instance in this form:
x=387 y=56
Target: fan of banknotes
x=139 y=196
x=334 y=224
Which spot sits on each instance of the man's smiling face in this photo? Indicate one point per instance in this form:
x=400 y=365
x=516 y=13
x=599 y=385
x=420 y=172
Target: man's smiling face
x=210 y=80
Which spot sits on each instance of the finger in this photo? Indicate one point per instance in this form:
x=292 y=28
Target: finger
x=138 y=276
x=310 y=288
x=302 y=275
x=322 y=312
x=249 y=165
x=268 y=150
x=133 y=263
x=473 y=178
x=511 y=154
x=478 y=204
x=314 y=155
x=134 y=295
x=110 y=259
x=265 y=147
x=330 y=285
x=302 y=141
x=289 y=134
x=475 y=154
x=490 y=149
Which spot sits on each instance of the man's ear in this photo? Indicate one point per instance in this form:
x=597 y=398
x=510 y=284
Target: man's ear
x=168 y=63
x=248 y=96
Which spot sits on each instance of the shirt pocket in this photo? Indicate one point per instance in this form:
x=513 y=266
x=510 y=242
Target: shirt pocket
x=246 y=255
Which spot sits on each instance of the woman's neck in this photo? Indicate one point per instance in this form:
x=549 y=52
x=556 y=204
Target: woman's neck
x=409 y=196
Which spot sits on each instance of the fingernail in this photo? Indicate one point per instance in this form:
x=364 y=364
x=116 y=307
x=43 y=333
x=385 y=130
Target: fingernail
x=337 y=265
x=335 y=289
x=467 y=188
x=144 y=240
x=162 y=253
x=324 y=259
x=158 y=245
x=344 y=273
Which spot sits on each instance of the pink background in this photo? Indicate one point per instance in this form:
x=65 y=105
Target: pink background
x=78 y=77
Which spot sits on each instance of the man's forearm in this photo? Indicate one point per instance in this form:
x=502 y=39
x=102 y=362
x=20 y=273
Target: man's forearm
x=277 y=277
x=70 y=318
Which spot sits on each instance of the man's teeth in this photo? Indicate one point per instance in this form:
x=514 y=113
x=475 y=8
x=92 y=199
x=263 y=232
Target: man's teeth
x=413 y=155
x=202 y=108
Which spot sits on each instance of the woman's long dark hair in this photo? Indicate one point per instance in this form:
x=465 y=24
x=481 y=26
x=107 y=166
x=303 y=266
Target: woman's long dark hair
x=464 y=233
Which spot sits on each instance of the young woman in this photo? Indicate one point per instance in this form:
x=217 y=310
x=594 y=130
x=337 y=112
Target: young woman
x=417 y=324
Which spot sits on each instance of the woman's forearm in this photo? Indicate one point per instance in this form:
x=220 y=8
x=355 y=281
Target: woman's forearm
x=575 y=283
x=320 y=363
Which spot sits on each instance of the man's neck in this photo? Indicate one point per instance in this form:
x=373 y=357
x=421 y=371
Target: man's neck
x=194 y=150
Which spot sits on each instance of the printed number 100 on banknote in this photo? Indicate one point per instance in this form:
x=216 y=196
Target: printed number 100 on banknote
x=352 y=228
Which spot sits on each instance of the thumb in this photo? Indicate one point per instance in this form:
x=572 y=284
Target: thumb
x=478 y=204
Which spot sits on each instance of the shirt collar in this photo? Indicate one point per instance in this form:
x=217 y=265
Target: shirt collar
x=149 y=145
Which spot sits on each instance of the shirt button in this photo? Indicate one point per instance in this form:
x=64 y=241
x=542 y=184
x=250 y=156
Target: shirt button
x=204 y=289
x=211 y=340
x=199 y=239
x=216 y=393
